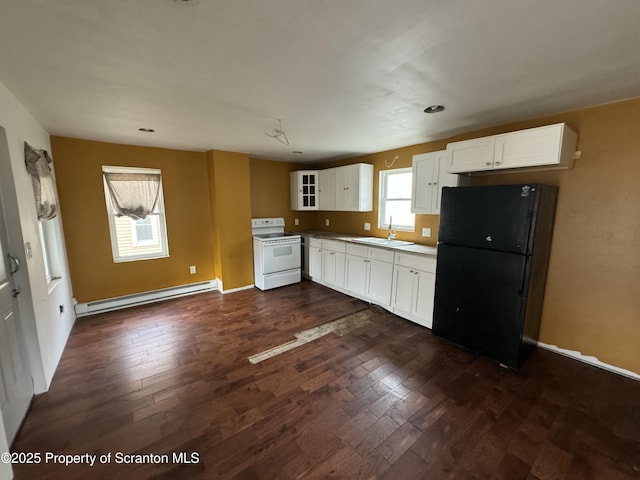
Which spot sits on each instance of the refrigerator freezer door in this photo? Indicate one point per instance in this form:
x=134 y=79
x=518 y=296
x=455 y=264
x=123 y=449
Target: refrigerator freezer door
x=496 y=217
x=479 y=301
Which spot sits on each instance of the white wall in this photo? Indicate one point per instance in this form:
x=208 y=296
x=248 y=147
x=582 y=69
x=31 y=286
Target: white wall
x=45 y=328
x=5 y=468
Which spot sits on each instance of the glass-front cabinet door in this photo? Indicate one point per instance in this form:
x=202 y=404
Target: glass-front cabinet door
x=304 y=190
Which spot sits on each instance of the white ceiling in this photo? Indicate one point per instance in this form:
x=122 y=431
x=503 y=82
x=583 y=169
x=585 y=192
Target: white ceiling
x=346 y=77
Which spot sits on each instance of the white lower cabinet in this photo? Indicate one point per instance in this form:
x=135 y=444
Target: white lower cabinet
x=315 y=259
x=356 y=274
x=333 y=263
x=369 y=273
x=379 y=282
x=403 y=283
x=414 y=282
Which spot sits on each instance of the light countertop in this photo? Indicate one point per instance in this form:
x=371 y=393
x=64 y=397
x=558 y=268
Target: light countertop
x=411 y=248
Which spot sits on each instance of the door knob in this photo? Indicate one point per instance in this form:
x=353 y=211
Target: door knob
x=16 y=264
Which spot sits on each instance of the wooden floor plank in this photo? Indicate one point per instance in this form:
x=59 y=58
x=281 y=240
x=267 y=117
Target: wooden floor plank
x=388 y=400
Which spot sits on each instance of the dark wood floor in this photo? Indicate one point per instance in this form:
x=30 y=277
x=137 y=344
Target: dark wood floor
x=386 y=401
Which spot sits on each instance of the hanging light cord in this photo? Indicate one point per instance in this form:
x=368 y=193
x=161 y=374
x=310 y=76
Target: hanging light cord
x=278 y=134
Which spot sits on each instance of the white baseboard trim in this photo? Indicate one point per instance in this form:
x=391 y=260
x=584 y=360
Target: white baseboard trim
x=590 y=360
x=231 y=290
x=116 y=303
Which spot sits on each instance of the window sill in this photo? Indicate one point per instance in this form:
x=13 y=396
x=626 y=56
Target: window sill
x=51 y=286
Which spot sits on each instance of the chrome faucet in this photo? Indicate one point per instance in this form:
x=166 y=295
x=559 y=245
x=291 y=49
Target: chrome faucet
x=392 y=234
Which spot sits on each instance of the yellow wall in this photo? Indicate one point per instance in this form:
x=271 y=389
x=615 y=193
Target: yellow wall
x=353 y=222
x=94 y=275
x=270 y=194
x=230 y=203
x=592 y=301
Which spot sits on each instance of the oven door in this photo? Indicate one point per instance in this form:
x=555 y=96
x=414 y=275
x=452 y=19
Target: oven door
x=279 y=257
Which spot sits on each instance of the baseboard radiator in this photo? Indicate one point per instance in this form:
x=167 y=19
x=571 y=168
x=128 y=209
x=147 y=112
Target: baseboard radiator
x=116 y=303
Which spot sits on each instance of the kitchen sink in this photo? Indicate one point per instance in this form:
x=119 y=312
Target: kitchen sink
x=383 y=242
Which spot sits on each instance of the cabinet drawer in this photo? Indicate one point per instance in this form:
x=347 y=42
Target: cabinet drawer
x=359 y=250
x=381 y=254
x=315 y=242
x=335 y=245
x=426 y=263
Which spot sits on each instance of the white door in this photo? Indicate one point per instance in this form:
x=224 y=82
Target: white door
x=347 y=188
x=403 y=289
x=16 y=388
x=423 y=297
x=327 y=189
x=527 y=148
x=339 y=269
x=328 y=267
x=356 y=274
x=379 y=282
x=315 y=263
x=445 y=179
x=424 y=176
x=471 y=155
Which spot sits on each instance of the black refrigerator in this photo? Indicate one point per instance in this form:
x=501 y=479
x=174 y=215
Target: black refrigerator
x=493 y=252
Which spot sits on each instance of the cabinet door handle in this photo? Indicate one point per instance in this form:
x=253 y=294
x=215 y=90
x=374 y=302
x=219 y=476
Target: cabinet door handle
x=488 y=164
x=497 y=163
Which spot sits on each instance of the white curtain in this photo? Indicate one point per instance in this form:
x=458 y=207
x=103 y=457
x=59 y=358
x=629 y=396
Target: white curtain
x=133 y=194
x=38 y=165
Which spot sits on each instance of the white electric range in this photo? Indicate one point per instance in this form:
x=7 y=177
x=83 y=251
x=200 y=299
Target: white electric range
x=276 y=254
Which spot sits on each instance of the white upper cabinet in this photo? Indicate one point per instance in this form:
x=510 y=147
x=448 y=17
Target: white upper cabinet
x=549 y=147
x=304 y=190
x=429 y=176
x=354 y=187
x=327 y=189
x=348 y=188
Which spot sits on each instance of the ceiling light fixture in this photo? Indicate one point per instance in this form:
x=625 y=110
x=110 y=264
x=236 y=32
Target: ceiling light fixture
x=278 y=134
x=147 y=130
x=434 y=109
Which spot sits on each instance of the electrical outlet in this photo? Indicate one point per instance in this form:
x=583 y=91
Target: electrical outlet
x=296 y=221
x=192 y=269
x=367 y=226
x=326 y=222
x=426 y=232
x=61 y=308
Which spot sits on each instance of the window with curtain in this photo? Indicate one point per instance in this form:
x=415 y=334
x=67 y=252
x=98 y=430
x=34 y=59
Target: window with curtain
x=394 y=208
x=135 y=207
x=38 y=163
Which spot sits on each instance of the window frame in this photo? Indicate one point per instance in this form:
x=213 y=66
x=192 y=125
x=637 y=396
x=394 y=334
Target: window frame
x=158 y=211
x=383 y=199
x=134 y=232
